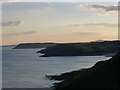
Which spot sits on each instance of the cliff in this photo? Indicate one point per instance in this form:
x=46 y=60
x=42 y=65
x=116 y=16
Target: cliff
x=104 y=74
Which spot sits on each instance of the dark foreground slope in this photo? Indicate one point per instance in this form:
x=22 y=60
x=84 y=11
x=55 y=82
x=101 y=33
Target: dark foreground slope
x=104 y=74
x=82 y=49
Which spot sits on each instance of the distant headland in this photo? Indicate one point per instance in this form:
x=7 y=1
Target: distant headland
x=82 y=49
x=108 y=48
x=33 y=45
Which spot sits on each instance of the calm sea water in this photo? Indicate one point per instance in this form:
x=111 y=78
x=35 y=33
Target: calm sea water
x=23 y=68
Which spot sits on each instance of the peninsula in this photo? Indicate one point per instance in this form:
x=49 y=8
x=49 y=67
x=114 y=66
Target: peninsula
x=82 y=49
x=33 y=45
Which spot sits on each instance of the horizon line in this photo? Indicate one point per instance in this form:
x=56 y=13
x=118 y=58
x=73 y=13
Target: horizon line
x=58 y=42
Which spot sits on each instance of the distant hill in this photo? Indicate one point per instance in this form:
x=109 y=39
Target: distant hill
x=82 y=49
x=104 y=74
x=33 y=45
x=8 y=45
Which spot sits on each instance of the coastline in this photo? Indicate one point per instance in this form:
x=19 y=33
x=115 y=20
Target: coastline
x=107 y=67
x=108 y=48
x=106 y=55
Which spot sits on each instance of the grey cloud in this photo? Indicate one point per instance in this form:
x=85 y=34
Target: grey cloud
x=12 y=23
x=106 y=8
x=94 y=25
x=22 y=33
x=8 y=1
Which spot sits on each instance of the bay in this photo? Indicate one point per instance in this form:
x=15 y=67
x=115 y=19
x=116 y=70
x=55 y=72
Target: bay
x=23 y=68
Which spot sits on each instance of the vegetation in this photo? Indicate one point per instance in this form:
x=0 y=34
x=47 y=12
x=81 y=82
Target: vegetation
x=82 y=49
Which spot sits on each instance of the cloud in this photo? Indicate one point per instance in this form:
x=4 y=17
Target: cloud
x=113 y=8
x=94 y=25
x=102 y=14
x=8 y=1
x=42 y=10
x=12 y=23
x=22 y=33
x=87 y=33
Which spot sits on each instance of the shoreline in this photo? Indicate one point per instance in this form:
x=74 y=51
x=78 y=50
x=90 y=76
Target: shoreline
x=103 y=71
x=106 y=55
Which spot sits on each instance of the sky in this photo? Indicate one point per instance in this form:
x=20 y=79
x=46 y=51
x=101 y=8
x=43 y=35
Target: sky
x=33 y=22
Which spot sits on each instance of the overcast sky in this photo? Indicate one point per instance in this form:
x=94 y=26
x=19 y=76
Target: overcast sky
x=59 y=22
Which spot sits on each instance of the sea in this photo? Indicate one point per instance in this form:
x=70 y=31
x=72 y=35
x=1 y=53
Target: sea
x=23 y=68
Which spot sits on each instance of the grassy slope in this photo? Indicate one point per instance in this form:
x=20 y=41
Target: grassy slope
x=103 y=74
x=78 y=49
